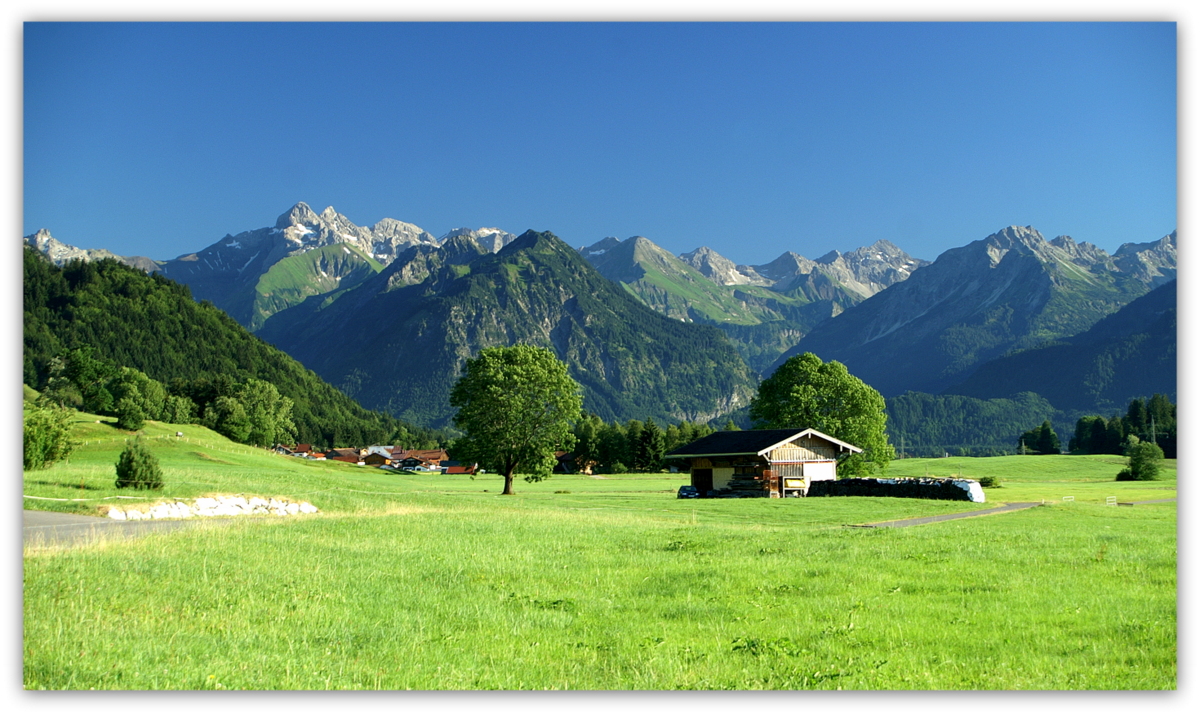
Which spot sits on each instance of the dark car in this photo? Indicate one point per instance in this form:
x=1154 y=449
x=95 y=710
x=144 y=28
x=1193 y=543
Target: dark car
x=687 y=491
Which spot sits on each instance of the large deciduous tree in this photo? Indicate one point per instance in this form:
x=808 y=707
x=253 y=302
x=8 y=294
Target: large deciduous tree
x=269 y=413
x=807 y=393
x=516 y=406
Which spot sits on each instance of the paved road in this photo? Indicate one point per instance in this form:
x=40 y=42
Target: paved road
x=50 y=528
x=947 y=517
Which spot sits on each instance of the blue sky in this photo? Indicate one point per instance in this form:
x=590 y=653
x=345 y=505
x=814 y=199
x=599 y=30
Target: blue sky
x=750 y=138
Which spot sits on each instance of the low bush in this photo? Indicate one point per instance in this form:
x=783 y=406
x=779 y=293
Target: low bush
x=138 y=468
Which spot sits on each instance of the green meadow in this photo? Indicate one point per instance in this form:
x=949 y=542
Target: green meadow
x=432 y=582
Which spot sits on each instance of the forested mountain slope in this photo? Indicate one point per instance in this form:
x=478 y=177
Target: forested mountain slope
x=151 y=323
x=1129 y=354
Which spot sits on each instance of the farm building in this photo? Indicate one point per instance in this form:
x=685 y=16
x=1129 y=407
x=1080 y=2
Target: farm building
x=375 y=459
x=761 y=463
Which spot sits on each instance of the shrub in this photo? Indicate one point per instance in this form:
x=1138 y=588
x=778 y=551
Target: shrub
x=137 y=468
x=47 y=430
x=990 y=482
x=1143 y=461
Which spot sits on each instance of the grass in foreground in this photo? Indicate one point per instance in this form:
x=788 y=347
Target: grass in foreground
x=434 y=583
x=450 y=594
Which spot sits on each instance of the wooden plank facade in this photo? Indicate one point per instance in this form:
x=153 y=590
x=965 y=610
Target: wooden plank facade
x=761 y=463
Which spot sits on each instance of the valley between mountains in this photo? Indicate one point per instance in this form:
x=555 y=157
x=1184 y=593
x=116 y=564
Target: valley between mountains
x=1011 y=323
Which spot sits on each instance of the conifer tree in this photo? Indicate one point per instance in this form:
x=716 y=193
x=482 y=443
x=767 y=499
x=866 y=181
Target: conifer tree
x=137 y=468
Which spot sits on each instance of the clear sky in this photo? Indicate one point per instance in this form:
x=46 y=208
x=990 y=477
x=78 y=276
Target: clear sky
x=750 y=138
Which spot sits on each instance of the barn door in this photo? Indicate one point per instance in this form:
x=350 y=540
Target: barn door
x=702 y=479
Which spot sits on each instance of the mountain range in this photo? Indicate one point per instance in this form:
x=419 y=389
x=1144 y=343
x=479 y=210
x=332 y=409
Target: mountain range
x=397 y=341
x=388 y=312
x=1013 y=290
x=764 y=310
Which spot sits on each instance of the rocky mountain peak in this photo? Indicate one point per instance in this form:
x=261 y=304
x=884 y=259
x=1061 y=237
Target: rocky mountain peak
x=720 y=269
x=788 y=264
x=1083 y=254
x=1016 y=236
x=60 y=253
x=600 y=247
x=1166 y=244
x=1154 y=262
x=492 y=239
x=298 y=215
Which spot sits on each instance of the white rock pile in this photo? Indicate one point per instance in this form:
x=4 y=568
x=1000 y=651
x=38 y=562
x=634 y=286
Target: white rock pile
x=214 y=506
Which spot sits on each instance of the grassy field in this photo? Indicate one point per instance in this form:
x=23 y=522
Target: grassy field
x=1088 y=478
x=430 y=582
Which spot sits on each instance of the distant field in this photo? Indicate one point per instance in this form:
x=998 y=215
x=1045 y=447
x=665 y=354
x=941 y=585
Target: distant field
x=431 y=582
x=1088 y=478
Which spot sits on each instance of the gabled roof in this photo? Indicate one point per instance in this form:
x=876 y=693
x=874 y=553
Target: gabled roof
x=750 y=442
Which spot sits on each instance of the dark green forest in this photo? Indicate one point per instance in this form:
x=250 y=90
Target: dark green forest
x=924 y=425
x=152 y=324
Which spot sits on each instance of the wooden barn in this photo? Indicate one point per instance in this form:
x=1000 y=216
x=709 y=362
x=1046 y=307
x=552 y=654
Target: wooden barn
x=761 y=463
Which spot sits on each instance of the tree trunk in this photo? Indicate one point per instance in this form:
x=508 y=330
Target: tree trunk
x=508 y=481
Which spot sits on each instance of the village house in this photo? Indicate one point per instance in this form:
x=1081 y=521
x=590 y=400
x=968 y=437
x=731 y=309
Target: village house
x=761 y=463
x=375 y=459
x=382 y=450
x=423 y=459
x=345 y=454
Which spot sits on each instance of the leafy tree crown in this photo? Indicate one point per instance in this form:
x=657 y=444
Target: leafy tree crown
x=808 y=393
x=516 y=406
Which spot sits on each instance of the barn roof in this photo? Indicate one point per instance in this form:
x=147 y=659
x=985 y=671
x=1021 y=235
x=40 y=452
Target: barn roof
x=747 y=442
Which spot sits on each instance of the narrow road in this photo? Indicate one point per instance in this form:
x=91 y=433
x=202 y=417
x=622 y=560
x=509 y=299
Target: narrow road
x=984 y=512
x=948 y=517
x=50 y=528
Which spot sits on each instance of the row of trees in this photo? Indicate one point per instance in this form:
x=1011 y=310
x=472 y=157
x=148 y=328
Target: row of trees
x=634 y=446
x=518 y=405
x=1151 y=420
x=250 y=412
